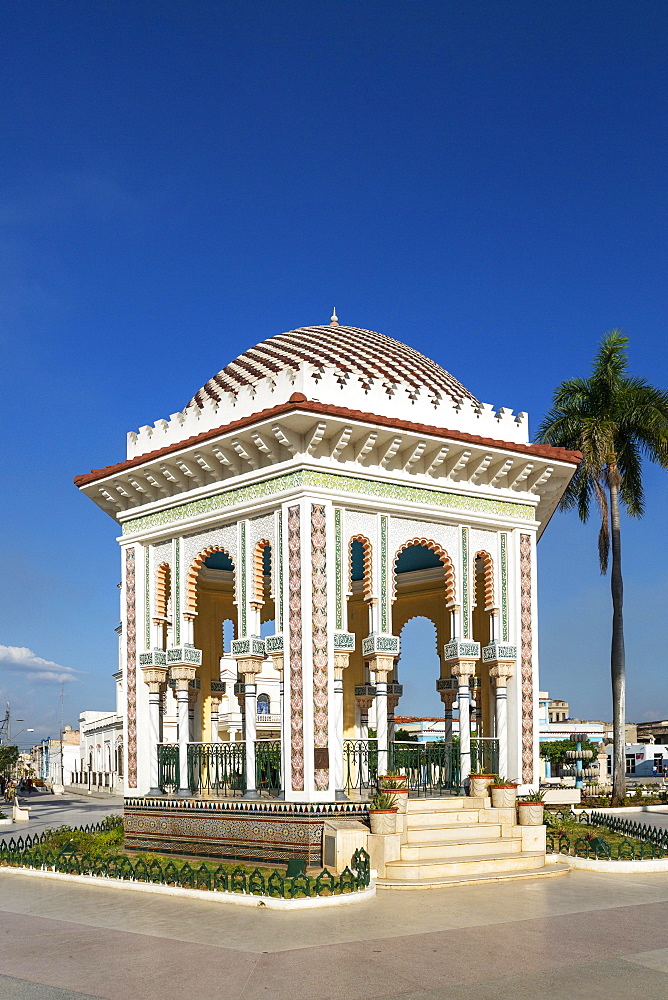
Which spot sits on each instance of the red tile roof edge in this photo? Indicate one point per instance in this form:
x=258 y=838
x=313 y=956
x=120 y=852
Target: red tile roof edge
x=299 y=402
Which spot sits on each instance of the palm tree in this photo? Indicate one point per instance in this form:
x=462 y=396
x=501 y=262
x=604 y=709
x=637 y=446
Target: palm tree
x=614 y=419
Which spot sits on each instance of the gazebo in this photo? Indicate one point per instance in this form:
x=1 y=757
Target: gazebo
x=277 y=534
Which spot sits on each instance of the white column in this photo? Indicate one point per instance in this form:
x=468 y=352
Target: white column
x=250 y=711
x=381 y=720
x=184 y=726
x=215 y=711
x=337 y=723
x=464 y=698
x=501 y=672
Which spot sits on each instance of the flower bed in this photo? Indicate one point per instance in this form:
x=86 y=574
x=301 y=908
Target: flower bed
x=593 y=836
x=102 y=861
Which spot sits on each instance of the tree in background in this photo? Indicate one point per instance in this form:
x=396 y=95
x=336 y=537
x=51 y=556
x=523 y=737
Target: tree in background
x=9 y=756
x=614 y=419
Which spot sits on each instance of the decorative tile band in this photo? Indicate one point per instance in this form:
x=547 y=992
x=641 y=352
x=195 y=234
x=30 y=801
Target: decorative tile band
x=279 y=573
x=185 y=654
x=243 y=561
x=155 y=658
x=177 y=591
x=384 y=614
x=251 y=645
x=527 y=659
x=274 y=644
x=495 y=651
x=131 y=664
x=147 y=597
x=462 y=650
x=296 y=651
x=377 y=643
x=338 y=552
x=344 y=641
x=319 y=640
x=466 y=602
x=328 y=481
x=505 y=635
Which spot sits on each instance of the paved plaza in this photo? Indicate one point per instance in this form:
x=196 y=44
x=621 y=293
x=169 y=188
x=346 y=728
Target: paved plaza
x=69 y=809
x=583 y=935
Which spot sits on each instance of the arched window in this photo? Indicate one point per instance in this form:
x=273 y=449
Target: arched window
x=263 y=704
x=228 y=635
x=360 y=563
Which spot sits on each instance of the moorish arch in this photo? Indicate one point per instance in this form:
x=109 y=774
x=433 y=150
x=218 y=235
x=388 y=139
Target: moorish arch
x=438 y=552
x=193 y=574
x=163 y=589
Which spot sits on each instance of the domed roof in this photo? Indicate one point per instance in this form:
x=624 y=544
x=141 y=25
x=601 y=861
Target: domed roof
x=362 y=355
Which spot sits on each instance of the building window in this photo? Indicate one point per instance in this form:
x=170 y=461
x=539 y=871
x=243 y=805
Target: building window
x=630 y=763
x=263 y=704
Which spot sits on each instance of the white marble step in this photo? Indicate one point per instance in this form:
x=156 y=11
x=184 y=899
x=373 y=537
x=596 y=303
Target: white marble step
x=547 y=871
x=466 y=817
x=475 y=831
x=450 y=803
x=463 y=848
x=465 y=865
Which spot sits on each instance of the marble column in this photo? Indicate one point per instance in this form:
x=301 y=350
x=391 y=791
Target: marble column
x=155 y=678
x=183 y=674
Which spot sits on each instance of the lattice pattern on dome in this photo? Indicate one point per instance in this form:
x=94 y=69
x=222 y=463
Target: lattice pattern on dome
x=362 y=355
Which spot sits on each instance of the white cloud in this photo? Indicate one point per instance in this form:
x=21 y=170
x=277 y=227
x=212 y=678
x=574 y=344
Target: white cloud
x=23 y=660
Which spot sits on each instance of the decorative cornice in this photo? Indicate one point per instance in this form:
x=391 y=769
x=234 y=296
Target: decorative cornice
x=328 y=481
x=299 y=403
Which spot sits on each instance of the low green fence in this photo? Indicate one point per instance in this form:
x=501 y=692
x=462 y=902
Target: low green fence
x=653 y=841
x=29 y=852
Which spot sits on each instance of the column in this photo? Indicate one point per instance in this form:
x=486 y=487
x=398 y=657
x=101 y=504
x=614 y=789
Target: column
x=501 y=672
x=394 y=693
x=462 y=658
x=154 y=677
x=447 y=689
x=501 y=661
x=275 y=649
x=357 y=770
x=249 y=653
x=381 y=650
x=183 y=674
x=215 y=709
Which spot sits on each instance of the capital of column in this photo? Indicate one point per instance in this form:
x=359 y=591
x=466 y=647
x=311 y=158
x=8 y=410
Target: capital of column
x=394 y=693
x=341 y=661
x=154 y=677
x=447 y=689
x=499 y=651
x=364 y=696
x=182 y=675
x=275 y=649
x=501 y=673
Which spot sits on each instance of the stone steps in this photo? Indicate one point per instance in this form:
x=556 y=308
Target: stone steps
x=465 y=865
x=547 y=871
x=456 y=840
x=440 y=850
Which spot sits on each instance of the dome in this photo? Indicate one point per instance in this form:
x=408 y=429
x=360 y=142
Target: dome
x=356 y=356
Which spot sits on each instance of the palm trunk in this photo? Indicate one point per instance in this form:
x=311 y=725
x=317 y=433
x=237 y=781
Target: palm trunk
x=617 y=656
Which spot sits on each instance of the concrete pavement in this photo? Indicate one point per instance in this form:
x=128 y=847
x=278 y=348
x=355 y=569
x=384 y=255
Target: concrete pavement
x=584 y=935
x=69 y=809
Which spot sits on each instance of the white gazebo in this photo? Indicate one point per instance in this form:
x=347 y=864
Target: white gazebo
x=277 y=534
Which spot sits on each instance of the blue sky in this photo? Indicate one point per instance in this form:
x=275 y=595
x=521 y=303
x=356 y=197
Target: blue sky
x=485 y=182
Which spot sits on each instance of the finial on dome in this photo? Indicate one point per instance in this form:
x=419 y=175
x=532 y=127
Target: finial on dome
x=334 y=321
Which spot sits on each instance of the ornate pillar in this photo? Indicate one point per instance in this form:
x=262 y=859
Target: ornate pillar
x=217 y=692
x=394 y=693
x=154 y=668
x=501 y=660
x=249 y=654
x=364 y=698
x=462 y=657
x=381 y=650
x=275 y=649
x=193 y=695
x=344 y=644
x=183 y=662
x=447 y=688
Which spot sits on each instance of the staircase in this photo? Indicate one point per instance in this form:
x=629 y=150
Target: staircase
x=455 y=840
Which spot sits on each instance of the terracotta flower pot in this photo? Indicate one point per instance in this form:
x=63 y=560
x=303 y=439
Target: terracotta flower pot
x=530 y=813
x=391 y=783
x=383 y=820
x=479 y=784
x=504 y=796
x=401 y=795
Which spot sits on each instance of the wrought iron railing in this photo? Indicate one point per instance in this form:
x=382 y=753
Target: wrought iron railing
x=430 y=768
x=168 y=767
x=360 y=765
x=485 y=756
x=217 y=768
x=268 y=765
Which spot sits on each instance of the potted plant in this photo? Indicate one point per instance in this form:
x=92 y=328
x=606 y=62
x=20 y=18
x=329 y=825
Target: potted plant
x=479 y=784
x=391 y=781
x=504 y=793
x=530 y=809
x=383 y=813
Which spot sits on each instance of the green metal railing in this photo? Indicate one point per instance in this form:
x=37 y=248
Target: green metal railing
x=360 y=765
x=268 y=765
x=484 y=756
x=168 y=767
x=217 y=768
x=430 y=768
